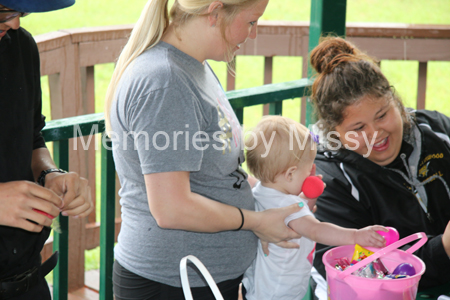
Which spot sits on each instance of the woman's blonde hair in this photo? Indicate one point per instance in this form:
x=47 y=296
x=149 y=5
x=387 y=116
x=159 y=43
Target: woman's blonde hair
x=290 y=141
x=151 y=26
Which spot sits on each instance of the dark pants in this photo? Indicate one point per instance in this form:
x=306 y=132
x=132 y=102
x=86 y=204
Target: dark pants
x=37 y=292
x=129 y=286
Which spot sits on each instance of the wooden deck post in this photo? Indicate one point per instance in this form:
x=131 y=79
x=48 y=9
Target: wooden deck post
x=422 y=85
x=67 y=101
x=268 y=75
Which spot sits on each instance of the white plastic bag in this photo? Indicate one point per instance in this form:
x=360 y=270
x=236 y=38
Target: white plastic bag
x=201 y=267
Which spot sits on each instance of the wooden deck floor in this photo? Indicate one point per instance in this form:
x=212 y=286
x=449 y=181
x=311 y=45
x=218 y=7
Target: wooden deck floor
x=90 y=291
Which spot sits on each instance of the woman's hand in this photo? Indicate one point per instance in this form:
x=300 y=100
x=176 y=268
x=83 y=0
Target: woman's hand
x=75 y=192
x=269 y=226
x=19 y=198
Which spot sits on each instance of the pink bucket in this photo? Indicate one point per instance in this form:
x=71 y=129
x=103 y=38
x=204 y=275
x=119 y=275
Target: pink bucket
x=344 y=286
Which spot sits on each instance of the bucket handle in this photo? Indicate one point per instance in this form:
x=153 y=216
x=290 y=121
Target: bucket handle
x=201 y=267
x=420 y=235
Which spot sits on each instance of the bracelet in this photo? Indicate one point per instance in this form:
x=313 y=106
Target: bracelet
x=242 y=216
x=41 y=178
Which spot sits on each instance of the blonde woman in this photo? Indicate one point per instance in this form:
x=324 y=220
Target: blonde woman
x=178 y=148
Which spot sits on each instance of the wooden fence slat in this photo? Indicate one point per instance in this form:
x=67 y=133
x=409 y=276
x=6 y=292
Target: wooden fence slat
x=268 y=76
x=54 y=83
x=72 y=105
x=305 y=58
x=100 y=52
x=88 y=101
x=404 y=48
x=422 y=85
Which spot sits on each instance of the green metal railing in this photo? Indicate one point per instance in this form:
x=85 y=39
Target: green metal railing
x=61 y=241
x=272 y=94
x=59 y=132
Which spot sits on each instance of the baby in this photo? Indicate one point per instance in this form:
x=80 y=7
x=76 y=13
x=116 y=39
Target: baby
x=280 y=153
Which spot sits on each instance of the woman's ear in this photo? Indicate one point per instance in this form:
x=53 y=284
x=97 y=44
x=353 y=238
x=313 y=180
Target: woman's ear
x=213 y=12
x=289 y=174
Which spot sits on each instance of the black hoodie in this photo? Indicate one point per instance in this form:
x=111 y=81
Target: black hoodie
x=21 y=123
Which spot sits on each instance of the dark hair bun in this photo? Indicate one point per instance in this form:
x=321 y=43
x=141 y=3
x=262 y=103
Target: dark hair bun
x=331 y=52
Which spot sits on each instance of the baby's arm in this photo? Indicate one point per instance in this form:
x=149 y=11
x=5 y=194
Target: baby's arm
x=333 y=235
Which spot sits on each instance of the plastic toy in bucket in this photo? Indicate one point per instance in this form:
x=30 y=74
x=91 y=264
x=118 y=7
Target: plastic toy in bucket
x=342 y=285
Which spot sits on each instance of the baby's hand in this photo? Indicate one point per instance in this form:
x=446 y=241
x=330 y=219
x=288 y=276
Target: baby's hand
x=368 y=236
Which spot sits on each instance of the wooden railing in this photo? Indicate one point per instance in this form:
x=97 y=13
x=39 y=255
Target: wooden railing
x=69 y=58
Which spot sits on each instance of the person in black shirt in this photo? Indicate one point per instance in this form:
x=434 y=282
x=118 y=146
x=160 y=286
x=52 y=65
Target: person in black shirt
x=25 y=161
x=382 y=163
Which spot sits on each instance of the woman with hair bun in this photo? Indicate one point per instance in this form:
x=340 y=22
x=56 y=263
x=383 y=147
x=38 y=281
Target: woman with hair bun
x=177 y=148
x=382 y=164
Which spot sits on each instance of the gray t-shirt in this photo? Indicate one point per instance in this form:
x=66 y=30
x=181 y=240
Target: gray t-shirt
x=172 y=114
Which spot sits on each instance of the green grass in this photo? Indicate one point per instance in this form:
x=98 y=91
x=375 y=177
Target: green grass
x=402 y=74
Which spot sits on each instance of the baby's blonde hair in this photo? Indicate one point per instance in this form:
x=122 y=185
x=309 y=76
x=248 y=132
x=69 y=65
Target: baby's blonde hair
x=290 y=142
